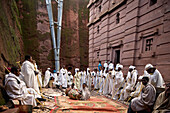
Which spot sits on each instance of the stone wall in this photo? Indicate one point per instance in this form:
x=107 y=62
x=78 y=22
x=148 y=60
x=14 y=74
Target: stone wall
x=126 y=26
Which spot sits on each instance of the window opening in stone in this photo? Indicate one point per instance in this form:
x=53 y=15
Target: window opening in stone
x=152 y=2
x=117 y=18
x=149 y=44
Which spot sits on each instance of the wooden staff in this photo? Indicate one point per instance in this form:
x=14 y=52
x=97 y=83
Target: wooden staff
x=124 y=87
x=118 y=89
x=135 y=92
x=19 y=64
x=38 y=79
x=7 y=69
x=104 y=84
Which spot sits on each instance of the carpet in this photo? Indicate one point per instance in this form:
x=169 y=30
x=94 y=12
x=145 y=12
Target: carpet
x=97 y=104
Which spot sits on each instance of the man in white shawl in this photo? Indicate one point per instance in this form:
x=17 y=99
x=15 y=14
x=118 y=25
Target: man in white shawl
x=85 y=92
x=64 y=78
x=30 y=73
x=105 y=65
x=119 y=79
x=144 y=103
x=130 y=82
x=106 y=83
x=47 y=77
x=111 y=66
x=17 y=90
x=155 y=78
x=111 y=80
x=57 y=80
x=77 y=78
x=70 y=79
x=89 y=80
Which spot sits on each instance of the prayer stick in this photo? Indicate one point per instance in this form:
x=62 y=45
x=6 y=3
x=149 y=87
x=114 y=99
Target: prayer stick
x=6 y=68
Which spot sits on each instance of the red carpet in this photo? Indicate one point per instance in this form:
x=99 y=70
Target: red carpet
x=96 y=104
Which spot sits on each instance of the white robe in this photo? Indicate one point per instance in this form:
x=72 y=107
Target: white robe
x=85 y=94
x=16 y=89
x=106 y=84
x=118 y=83
x=70 y=80
x=131 y=81
x=156 y=79
x=111 y=66
x=111 y=81
x=64 y=78
x=30 y=78
x=105 y=65
x=89 y=80
x=56 y=79
x=47 y=77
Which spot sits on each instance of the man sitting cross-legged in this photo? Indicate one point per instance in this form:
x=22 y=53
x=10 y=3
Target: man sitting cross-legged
x=17 y=90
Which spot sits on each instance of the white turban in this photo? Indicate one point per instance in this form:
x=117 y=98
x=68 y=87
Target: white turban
x=76 y=69
x=117 y=66
x=88 y=69
x=120 y=66
x=48 y=68
x=148 y=66
x=132 y=67
x=69 y=73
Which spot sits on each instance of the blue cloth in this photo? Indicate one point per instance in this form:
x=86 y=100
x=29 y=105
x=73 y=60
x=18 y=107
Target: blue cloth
x=99 y=67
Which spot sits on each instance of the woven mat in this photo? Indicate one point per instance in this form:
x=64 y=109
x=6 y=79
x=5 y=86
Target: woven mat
x=97 y=104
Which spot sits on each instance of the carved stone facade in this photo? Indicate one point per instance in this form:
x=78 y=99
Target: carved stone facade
x=130 y=32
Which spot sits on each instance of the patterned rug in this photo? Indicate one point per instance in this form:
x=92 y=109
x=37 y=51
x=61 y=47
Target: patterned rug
x=97 y=104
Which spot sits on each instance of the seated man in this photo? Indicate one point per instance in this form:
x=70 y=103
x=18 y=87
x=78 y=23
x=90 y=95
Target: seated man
x=73 y=93
x=143 y=103
x=16 y=89
x=162 y=104
x=85 y=92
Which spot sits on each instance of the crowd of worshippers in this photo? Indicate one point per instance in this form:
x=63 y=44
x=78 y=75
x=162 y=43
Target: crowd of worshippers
x=140 y=91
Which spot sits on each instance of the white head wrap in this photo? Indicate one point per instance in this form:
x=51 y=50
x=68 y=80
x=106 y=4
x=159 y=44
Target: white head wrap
x=88 y=69
x=48 y=68
x=76 y=70
x=132 y=67
x=120 y=66
x=69 y=73
x=148 y=66
x=117 y=66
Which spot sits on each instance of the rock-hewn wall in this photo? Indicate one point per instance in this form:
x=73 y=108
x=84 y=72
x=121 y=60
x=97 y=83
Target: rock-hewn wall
x=24 y=29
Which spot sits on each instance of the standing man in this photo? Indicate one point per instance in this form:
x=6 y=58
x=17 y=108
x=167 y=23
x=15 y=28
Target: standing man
x=100 y=66
x=119 y=79
x=29 y=73
x=111 y=66
x=70 y=79
x=105 y=65
x=47 y=77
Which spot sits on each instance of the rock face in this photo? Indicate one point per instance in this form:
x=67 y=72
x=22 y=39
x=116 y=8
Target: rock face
x=74 y=44
x=11 y=44
x=24 y=30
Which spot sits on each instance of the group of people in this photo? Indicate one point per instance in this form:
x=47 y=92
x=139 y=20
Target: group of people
x=23 y=84
x=107 y=80
x=140 y=91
